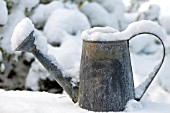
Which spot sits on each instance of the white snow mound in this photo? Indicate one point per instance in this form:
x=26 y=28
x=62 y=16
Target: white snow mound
x=3 y=12
x=21 y=32
x=135 y=28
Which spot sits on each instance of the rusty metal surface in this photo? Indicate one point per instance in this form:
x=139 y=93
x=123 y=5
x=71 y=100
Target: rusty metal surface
x=106 y=81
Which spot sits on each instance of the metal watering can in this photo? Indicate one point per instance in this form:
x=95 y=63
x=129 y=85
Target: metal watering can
x=106 y=79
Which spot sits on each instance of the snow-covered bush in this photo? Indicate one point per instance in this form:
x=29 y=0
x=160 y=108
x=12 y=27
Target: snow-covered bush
x=165 y=23
x=59 y=25
x=42 y=12
x=3 y=13
x=98 y=16
x=135 y=5
x=152 y=13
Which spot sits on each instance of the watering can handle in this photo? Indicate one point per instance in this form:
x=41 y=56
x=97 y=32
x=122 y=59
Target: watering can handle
x=141 y=89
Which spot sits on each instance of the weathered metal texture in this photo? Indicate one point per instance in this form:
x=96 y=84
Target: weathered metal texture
x=28 y=46
x=106 y=81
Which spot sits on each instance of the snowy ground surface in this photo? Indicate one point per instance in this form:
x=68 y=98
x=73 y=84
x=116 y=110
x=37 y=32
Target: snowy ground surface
x=42 y=102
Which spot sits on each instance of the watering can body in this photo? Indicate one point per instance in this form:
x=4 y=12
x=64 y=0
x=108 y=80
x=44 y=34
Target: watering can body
x=106 y=81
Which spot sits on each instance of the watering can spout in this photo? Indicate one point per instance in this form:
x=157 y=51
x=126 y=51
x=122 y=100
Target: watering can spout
x=63 y=80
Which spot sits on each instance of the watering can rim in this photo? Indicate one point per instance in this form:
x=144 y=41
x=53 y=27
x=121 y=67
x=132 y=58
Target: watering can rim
x=100 y=41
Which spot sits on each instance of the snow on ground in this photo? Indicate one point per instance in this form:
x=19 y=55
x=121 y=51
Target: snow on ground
x=43 y=102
